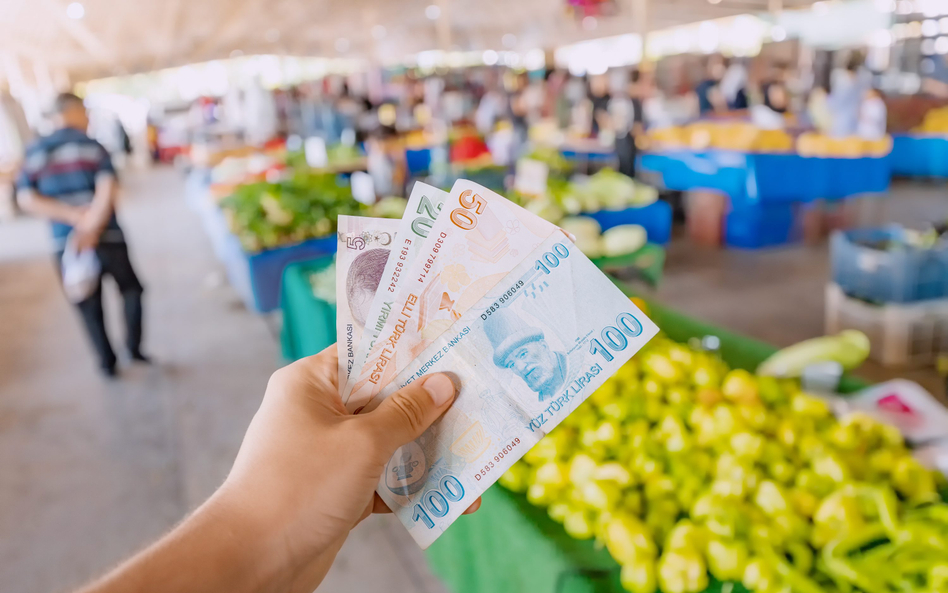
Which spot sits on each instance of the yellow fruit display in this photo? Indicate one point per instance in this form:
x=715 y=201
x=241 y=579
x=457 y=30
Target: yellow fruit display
x=935 y=122
x=688 y=471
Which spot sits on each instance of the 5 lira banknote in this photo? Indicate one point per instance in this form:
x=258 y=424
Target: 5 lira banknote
x=502 y=301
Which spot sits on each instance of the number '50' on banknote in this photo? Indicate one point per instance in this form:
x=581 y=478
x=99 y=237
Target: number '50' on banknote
x=525 y=356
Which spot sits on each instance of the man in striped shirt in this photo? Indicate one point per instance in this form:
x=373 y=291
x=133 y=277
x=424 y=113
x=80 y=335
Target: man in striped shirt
x=68 y=178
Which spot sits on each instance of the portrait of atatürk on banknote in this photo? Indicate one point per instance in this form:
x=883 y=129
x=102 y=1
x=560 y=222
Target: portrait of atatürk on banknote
x=365 y=273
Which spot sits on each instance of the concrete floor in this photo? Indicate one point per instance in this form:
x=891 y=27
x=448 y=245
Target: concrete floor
x=92 y=470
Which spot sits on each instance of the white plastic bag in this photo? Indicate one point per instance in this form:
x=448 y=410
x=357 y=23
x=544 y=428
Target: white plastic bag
x=81 y=271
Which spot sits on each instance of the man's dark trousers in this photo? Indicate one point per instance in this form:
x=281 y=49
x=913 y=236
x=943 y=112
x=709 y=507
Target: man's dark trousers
x=115 y=263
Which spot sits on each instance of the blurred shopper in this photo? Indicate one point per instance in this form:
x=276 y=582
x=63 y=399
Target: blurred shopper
x=599 y=103
x=734 y=86
x=708 y=91
x=872 y=116
x=628 y=118
x=848 y=86
x=774 y=92
x=68 y=178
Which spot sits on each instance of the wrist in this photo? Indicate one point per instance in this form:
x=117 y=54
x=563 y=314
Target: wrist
x=248 y=541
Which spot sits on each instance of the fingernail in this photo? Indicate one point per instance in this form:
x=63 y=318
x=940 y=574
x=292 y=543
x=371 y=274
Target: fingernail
x=440 y=388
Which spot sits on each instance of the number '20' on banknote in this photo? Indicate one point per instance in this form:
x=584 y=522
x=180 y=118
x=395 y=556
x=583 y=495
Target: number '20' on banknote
x=524 y=357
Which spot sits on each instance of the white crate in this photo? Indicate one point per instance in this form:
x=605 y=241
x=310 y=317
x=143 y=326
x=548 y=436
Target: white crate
x=911 y=334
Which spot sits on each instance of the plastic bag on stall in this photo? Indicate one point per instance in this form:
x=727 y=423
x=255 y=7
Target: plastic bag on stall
x=81 y=272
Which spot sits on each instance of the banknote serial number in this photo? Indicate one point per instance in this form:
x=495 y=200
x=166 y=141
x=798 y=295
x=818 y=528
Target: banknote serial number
x=498 y=457
x=501 y=300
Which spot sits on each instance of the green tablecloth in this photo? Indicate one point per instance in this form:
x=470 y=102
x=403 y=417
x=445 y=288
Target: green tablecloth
x=510 y=546
x=309 y=324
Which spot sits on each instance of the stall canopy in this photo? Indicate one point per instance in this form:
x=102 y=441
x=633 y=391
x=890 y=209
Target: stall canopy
x=55 y=40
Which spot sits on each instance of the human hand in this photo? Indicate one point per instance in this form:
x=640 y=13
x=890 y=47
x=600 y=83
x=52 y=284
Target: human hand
x=87 y=229
x=307 y=471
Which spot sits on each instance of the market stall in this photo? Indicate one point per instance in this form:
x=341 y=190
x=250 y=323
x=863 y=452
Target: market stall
x=518 y=542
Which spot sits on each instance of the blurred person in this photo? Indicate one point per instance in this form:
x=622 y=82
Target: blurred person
x=848 y=85
x=628 y=116
x=733 y=85
x=708 y=91
x=68 y=179
x=599 y=99
x=774 y=93
x=291 y=498
x=935 y=83
x=872 y=116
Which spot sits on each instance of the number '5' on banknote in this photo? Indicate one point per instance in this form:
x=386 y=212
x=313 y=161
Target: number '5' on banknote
x=524 y=357
x=364 y=245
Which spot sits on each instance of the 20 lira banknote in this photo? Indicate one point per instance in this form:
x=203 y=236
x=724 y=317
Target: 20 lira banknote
x=524 y=357
x=422 y=210
x=478 y=238
x=363 y=248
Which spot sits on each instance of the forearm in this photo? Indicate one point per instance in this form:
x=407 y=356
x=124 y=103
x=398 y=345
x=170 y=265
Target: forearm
x=48 y=208
x=217 y=549
x=103 y=201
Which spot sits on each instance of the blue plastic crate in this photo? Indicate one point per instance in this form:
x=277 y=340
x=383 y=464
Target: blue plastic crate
x=257 y=277
x=900 y=275
x=418 y=161
x=656 y=219
x=763 y=225
x=919 y=156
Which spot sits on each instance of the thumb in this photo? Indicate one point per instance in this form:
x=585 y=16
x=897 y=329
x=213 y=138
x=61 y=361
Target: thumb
x=408 y=412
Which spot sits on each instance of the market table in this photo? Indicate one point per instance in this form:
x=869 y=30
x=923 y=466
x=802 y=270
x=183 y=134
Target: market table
x=511 y=546
x=751 y=178
x=920 y=155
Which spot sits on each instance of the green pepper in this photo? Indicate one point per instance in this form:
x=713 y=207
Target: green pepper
x=578 y=524
x=831 y=466
x=770 y=391
x=600 y=496
x=740 y=386
x=771 y=498
x=727 y=559
x=552 y=474
x=760 y=576
x=682 y=571
x=747 y=445
x=614 y=472
x=639 y=577
x=662 y=367
x=913 y=480
x=938 y=577
x=541 y=494
x=686 y=534
x=558 y=511
x=516 y=478
x=582 y=467
x=628 y=540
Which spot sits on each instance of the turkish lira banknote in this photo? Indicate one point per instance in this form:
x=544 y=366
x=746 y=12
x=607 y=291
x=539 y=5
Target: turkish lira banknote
x=422 y=210
x=478 y=238
x=362 y=251
x=534 y=347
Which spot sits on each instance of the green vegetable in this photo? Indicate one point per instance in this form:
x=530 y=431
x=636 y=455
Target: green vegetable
x=850 y=348
x=682 y=571
x=623 y=239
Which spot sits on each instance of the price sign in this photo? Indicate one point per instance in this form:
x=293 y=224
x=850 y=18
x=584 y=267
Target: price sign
x=315 y=151
x=531 y=177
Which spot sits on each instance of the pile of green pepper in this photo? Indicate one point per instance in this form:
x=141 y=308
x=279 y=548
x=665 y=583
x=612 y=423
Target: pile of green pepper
x=686 y=471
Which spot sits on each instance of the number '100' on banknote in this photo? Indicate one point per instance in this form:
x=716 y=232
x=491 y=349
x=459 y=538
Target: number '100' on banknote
x=524 y=357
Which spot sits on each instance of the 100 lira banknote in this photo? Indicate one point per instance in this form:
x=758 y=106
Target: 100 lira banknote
x=478 y=238
x=422 y=210
x=363 y=248
x=524 y=356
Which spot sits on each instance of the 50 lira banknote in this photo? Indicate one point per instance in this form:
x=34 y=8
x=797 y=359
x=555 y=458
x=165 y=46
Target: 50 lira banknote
x=478 y=238
x=363 y=248
x=524 y=356
x=422 y=210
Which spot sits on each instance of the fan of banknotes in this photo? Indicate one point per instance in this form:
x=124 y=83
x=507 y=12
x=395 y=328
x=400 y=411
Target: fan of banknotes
x=470 y=284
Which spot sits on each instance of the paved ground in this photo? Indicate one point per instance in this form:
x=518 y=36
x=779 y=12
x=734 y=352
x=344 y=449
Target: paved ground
x=91 y=470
